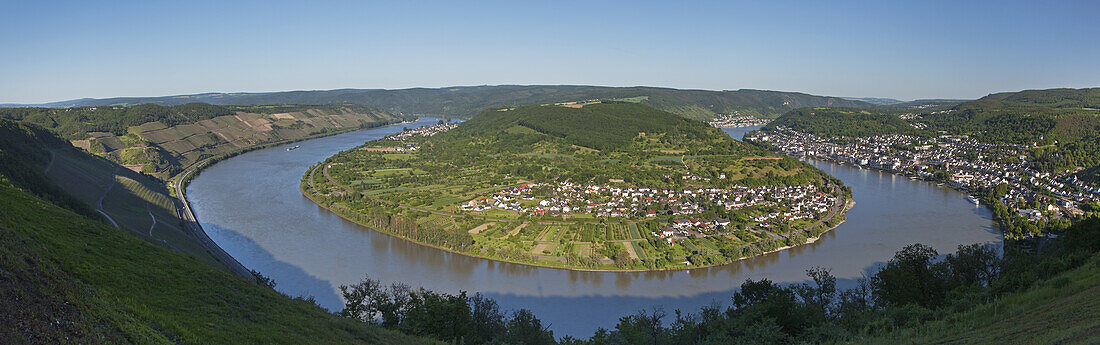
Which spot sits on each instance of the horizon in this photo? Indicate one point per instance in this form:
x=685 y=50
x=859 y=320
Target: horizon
x=47 y=103
x=935 y=50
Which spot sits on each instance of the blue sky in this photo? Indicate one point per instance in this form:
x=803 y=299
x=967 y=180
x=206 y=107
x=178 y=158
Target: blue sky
x=56 y=50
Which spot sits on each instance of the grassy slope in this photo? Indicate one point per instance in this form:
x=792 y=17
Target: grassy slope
x=1062 y=310
x=68 y=278
x=129 y=201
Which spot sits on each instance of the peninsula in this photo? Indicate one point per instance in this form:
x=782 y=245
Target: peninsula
x=598 y=186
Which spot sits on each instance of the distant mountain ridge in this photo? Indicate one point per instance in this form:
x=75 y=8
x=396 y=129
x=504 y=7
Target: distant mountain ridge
x=467 y=101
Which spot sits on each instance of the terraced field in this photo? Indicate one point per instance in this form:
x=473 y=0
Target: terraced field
x=160 y=150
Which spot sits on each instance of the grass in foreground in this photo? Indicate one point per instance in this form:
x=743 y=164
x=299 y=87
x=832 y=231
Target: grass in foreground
x=66 y=278
x=1061 y=310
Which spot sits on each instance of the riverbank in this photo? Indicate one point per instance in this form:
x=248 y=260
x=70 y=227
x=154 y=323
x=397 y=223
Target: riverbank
x=177 y=186
x=308 y=181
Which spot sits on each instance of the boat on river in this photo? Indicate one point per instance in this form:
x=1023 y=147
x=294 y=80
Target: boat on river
x=972 y=199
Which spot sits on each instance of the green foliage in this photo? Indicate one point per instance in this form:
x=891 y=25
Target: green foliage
x=844 y=122
x=457 y=319
x=75 y=123
x=591 y=125
x=71 y=279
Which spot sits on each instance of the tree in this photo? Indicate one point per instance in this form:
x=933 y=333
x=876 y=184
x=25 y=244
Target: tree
x=486 y=320
x=526 y=329
x=643 y=327
x=622 y=259
x=910 y=278
x=361 y=300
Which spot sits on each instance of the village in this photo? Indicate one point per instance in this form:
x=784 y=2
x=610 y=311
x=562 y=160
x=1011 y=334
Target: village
x=960 y=161
x=566 y=198
x=423 y=131
x=736 y=120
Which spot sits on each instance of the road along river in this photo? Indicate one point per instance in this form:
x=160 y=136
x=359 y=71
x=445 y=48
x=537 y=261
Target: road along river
x=251 y=206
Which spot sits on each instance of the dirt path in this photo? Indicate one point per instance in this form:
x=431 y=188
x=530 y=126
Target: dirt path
x=50 y=164
x=151 y=226
x=99 y=203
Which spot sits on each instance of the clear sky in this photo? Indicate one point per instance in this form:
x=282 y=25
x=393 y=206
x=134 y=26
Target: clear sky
x=57 y=50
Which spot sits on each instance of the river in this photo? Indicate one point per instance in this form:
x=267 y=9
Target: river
x=251 y=206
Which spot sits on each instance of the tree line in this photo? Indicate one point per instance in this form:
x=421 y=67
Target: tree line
x=915 y=286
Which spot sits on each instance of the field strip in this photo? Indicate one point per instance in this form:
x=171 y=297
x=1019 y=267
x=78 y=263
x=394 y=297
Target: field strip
x=480 y=228
x=630 y=250
x=516 y=230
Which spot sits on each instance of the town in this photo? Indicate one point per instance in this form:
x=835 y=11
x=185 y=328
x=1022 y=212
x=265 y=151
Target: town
x=789 y=203
x=736 y=120
x=424 y=131
x=959 y=161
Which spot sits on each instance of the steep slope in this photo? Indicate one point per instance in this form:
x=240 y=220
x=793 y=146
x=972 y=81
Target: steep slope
x=467 y=101
x=163 y=140
x=1062 y=310
x=65 y=278
x=50 y=167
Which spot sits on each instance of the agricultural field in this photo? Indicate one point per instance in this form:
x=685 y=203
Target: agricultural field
x=533 y=185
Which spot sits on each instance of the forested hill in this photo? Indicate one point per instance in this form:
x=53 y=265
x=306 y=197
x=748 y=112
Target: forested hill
x=467 y=101
x=65 y=278
x=599 y=126
x=848 y=122
x=1063 y=124
x=1056 y=98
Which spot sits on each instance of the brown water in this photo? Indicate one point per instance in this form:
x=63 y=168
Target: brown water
x=252 y=207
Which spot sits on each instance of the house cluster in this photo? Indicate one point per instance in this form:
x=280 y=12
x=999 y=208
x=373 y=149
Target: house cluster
x=694 y=227
x=407 y=148
x=423 y=131
x=960 y=161
x=736 y=120
x=566 y=198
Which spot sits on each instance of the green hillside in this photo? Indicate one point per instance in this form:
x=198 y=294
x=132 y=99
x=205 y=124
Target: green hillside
x=832 y=122
x=596 y=126
x=164 y=140
x=48 y=166
x=467 y=101
x=69 y=279
x=1062 y=310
